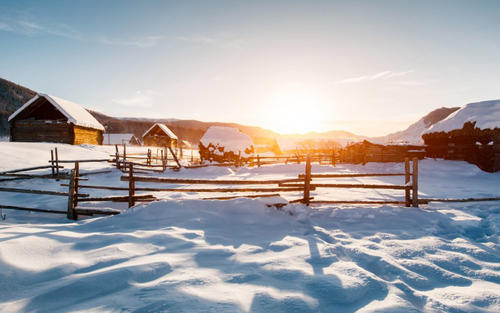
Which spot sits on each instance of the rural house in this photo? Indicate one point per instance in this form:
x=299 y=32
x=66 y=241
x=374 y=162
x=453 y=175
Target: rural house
x=47 y=118
x=159 y=135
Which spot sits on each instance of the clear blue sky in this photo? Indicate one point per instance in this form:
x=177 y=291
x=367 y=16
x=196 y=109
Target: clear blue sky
x=370 y=67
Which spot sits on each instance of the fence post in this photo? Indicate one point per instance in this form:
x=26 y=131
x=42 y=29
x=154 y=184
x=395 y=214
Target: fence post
x=117 y=157
x=258 y=160
x=163 y=161
x=77 y=182
x=52 y=162
x=192 y=157
x=131 y=186
x=57 y=163
x=415 y=182
x=307 y=180
x=71 y=213
x=407 y=180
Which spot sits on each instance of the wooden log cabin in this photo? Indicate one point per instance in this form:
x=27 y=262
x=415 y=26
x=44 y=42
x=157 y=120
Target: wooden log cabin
x=159 y=135
x=47 y=118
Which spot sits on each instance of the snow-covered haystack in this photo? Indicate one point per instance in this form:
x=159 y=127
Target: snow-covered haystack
x=225 y=144
x=471 y=134
x=484 y=115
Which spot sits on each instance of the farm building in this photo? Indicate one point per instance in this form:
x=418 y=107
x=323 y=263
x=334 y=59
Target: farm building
x=120 y=139
x=47 y=118
x=223 y=144
x=470 y=134
x=159 y=135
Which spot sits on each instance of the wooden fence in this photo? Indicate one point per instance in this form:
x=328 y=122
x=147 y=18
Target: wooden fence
x=408 y=185
x=305 y=183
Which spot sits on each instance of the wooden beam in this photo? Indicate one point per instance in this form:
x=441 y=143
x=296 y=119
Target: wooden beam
x=243 y=196
x=307 y=180
x=131 y=186
x=352 y=175
x=209 y=181
x=414 y=183
x=422 y=201
x=11 y=207
x=363 y=186
x=38 y=192
x=86 y=161
x=71 y=213
x=407 y=180
x=6 y=173
x=175 y=157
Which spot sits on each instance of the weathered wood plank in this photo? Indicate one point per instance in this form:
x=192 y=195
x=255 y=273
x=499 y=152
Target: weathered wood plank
x=209 y=181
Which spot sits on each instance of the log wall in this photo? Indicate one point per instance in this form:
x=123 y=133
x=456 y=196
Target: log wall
x=41 y=131
x=53 y=131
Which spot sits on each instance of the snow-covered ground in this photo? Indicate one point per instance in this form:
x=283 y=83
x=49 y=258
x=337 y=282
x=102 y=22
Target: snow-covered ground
x=185 y=255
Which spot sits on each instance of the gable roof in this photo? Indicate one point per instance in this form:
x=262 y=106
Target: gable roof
x=75 y=113
x=164 y=128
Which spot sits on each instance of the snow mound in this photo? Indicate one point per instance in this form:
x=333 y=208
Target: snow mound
x=229 y=138
x=486 y=114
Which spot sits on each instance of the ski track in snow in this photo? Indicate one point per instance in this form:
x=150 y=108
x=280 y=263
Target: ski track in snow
x=182 y=255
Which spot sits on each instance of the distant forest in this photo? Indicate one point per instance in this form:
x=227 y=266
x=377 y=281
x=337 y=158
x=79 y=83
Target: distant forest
x=12 y=97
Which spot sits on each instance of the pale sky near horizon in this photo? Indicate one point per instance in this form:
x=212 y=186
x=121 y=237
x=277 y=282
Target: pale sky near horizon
x=370 y=67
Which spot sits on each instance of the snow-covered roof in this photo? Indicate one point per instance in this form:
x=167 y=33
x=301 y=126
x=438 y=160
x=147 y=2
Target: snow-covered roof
x=228 y=137
x=75 y=113
x=486 y=114
x=114 y=139
x=164 y=128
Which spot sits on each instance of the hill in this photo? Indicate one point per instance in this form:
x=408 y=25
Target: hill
x=12 y=96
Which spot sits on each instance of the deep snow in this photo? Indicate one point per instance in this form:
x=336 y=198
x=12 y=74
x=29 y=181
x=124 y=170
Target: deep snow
x=181 y=255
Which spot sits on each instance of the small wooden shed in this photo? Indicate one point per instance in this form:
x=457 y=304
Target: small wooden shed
x=159 y=135
x=47 y=118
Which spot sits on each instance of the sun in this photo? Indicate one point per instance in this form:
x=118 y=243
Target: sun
x=294 y=110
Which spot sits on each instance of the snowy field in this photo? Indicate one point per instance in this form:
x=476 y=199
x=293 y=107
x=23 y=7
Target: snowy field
x=185 y=255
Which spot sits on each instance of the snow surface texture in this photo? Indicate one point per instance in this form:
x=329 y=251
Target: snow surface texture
x=230 y=138
x=486 y=114
x=164 y=128
x=179 y=255
x=75 y=113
